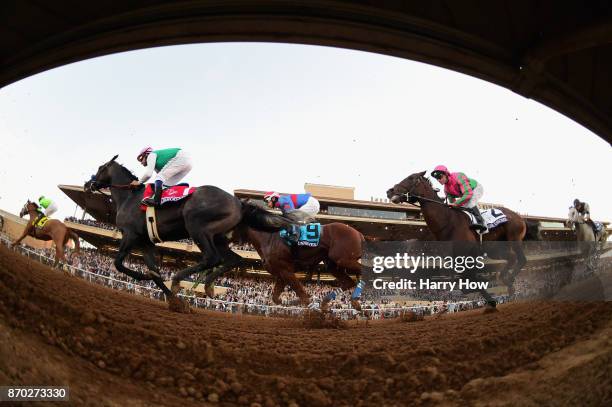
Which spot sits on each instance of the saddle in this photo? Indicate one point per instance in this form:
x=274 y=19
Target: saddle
x=170 y=194
x=493 y=217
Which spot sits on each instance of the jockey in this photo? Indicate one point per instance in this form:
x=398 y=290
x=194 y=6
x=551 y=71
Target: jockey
x=297 y=207
x=46 y=206
x=171 y=165
x=292 y=203
x=462 y=192
x=585 y=213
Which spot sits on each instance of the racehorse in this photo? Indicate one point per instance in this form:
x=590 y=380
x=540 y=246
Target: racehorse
x=586 y=237
x=449 y=224
x=339 y=248
x=205 y=217
x=42 y=228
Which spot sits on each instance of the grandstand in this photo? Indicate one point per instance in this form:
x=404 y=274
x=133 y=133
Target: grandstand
x=375 y=219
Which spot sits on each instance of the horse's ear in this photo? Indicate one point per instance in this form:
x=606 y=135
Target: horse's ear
x=115 y=157
x=422 y=174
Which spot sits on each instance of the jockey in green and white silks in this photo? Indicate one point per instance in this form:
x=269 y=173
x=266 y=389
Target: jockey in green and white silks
x=46 y=206
x=171 y=166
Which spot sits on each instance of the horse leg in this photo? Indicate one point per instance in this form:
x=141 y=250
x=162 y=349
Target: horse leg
x=77 y=244
x=285 y=270
x=346 y=283
x=149 y=259
x=230 y=260
x=210 y=257
x=279 y=287
x=507 y=276
x=124 y=249
x=60 y=257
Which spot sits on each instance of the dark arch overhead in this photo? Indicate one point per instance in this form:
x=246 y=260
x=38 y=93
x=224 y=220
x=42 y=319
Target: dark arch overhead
x=556 y=52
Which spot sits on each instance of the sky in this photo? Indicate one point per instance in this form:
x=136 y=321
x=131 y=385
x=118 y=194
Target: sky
x=275 y=116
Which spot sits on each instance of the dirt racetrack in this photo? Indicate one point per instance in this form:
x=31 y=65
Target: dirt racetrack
x=117 y=349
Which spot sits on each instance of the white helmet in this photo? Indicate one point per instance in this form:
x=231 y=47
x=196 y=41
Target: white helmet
x=144 y=152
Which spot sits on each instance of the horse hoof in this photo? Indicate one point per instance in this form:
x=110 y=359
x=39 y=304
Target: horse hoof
x=177 y=305
x=490 y=307
x=153 y=274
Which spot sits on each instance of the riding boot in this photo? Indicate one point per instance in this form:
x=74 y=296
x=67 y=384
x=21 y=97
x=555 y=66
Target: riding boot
x=481 y=223
x=293 y=234
x=156 y=200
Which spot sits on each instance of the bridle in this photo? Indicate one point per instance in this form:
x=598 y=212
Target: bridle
x=419 y=198
x=95 y=185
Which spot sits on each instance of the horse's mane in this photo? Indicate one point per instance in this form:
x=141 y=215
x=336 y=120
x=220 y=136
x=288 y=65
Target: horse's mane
x=261 y=219
x=125 y=171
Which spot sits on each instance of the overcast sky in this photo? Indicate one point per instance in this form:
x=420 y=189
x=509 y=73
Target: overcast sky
x=273 y=116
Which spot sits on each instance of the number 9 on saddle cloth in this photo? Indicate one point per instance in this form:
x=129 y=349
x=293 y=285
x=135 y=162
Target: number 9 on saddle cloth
x=307 y=233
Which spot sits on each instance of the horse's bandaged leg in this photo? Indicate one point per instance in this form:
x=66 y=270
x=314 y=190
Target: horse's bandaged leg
x=358 y=289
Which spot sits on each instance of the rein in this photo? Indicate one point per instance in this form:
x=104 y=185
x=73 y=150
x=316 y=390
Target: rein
x=409 y=195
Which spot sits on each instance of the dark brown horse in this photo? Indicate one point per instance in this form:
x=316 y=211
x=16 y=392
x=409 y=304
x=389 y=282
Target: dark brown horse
x=450 y=224
x=49 y=229
x=339 y=248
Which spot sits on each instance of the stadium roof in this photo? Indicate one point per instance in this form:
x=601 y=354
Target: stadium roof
x=556 y=52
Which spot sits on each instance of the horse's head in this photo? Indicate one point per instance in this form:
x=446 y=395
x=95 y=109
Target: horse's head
x=102 y=178
x=409 y=189
x=27 y=208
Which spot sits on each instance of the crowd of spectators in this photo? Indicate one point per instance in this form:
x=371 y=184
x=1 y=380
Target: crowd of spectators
x=108 y=226
x=91 y=222
x=239 y=293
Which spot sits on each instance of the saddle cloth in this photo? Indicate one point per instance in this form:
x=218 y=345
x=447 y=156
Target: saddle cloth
x=170 y=194
x=40 y=222
x=493 y=217
x=309 y=235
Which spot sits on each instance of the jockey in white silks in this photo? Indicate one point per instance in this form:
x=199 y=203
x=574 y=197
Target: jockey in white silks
x=171 y=166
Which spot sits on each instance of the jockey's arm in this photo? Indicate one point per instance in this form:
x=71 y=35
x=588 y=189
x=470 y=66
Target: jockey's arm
x=151 y=159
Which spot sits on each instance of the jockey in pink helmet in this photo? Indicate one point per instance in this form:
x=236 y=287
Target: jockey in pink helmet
x=170 y=164
x=461 y=191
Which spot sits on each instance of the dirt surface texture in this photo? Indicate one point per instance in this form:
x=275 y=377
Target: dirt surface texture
x=116 y=349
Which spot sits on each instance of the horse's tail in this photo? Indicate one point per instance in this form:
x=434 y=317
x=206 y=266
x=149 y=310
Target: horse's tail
x=533 y=230
x=75 y=239
x=260 y=219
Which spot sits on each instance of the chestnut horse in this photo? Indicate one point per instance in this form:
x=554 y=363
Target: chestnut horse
x=339 y=248
x=450 y=224
x=51 y=229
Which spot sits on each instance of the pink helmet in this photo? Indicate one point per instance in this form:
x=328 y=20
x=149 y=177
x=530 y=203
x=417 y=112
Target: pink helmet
x=269 y=195
x=145 y=151
x=439 y=170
